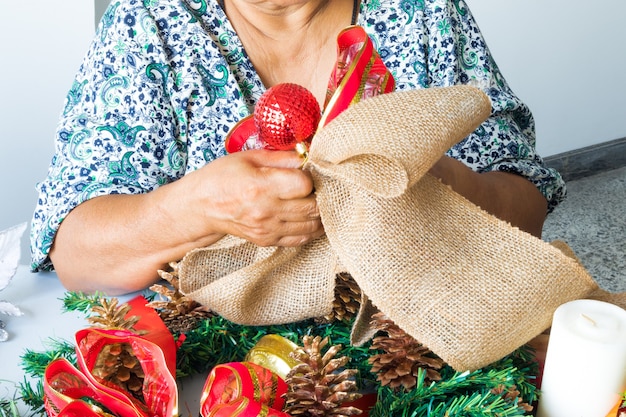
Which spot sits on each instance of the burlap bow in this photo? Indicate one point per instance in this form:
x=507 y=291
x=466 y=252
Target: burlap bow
x=467 y=285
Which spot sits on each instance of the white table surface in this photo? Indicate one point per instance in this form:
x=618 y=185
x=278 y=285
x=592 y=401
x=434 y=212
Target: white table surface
x=39 y=296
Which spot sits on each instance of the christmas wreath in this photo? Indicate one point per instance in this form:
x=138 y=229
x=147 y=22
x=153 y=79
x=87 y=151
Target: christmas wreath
x=399 y=376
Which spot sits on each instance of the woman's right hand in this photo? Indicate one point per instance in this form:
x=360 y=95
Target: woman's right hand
x=259 y=195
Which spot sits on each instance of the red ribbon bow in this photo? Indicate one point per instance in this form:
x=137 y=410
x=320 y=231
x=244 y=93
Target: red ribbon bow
x=243 y=389
x=67 y=388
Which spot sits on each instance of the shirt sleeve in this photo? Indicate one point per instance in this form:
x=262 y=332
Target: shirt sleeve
x=438 y=44
x=506 y=141
x=118 y=132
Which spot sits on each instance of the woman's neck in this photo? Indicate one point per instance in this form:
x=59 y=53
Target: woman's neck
x=291 y=40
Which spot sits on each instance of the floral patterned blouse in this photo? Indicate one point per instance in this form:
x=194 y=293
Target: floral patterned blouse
x=165 y=80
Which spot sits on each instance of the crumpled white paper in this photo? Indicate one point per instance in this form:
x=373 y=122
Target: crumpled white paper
x=9 y=261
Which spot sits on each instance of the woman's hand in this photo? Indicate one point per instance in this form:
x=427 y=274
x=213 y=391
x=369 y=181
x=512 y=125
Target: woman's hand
x=261 y=196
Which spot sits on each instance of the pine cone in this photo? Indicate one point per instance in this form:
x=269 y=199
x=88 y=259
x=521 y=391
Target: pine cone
x=110 y=315
x=403 y=356
x=347 y=299
x=179 y=312
x=511 y=395
x=319 y=386
x=116 y=362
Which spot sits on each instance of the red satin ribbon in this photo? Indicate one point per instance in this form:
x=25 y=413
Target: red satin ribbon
x=71 y=392
x=243 y=389
x=359 y=73
x=66 y=390
x=151 y=327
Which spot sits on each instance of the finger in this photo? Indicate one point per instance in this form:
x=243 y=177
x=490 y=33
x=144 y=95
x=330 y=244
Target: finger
x=288 y=183
x=294 y=241
x=284 y=233
x=298 y=210
x=283 y=170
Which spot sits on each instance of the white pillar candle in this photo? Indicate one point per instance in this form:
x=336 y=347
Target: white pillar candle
x=585 y=368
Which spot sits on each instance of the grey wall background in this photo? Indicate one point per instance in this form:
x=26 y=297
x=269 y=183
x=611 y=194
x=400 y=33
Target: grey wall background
x=567 y=62
x=100 y=6
x=42 y=43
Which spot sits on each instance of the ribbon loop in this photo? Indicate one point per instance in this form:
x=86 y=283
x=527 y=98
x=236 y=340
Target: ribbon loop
x=245 y=277
x=413 y=129
x=66 y=388
x=243 y=389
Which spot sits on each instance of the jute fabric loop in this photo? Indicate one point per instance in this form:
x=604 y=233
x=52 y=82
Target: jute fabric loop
x=467 y=285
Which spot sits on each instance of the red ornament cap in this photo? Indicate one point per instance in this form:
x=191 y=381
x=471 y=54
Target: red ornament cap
x=242 y=136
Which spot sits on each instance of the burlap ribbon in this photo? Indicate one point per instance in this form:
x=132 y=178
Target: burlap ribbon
x=467 y=285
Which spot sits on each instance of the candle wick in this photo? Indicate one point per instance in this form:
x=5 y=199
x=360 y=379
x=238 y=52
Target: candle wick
x=586 y=317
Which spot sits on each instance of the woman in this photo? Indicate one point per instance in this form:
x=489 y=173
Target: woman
x=140 y=175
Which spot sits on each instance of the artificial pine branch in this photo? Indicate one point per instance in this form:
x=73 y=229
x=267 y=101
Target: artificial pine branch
x=477 y=405
x=8 y=408
x=217 y=340
x=79 y=301
x=527 y=369
x=424 y=398
x=34 y=363
x=84 y=303
x=32 y=397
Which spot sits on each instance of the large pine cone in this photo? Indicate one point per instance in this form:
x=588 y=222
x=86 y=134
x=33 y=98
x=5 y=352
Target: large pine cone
x=403 y=357
x=319 y=385
x=117 y=364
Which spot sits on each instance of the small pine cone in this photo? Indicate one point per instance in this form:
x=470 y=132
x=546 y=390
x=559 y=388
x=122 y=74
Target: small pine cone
x=347 y=299
x=179 y=312
x=116 y=364
x=403 y=357
x=320 y=385
x=110 y=315
x=511 y=395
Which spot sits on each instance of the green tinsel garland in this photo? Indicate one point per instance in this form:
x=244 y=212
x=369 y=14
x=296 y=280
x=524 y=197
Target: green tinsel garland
x=217 y=340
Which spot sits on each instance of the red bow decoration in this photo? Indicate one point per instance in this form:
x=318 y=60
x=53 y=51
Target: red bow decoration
x=243 y=389
x=288 y=114
x=359 y=73
x=66 y=387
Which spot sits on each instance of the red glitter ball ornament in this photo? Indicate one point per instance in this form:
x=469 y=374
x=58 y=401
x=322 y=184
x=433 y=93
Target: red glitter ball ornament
x=285 y=115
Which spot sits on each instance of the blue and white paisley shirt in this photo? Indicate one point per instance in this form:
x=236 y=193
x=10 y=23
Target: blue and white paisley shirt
x=165 y=80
